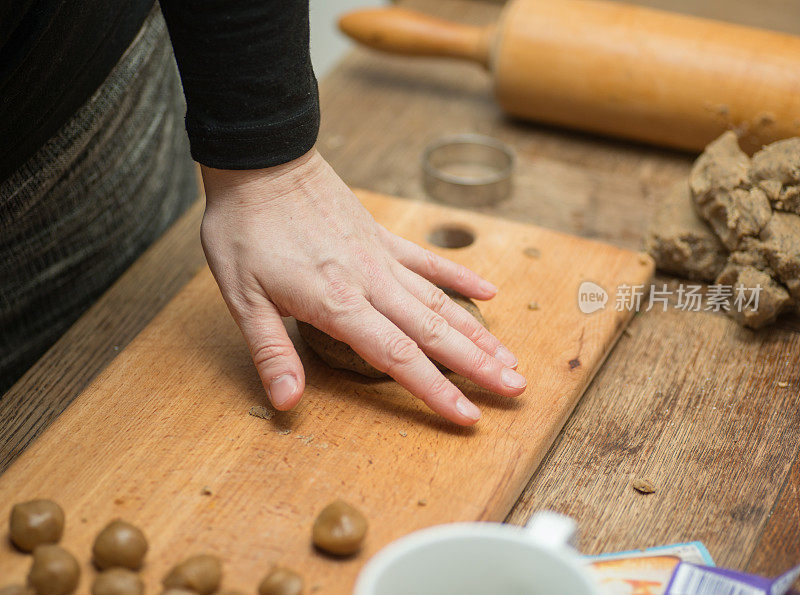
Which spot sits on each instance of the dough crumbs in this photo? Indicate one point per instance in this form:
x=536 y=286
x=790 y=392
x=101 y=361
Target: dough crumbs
x=643 y=486
x=403 y=433
x=532 y=252
x=422 y=502
x=261 y=412
x=305 y=439
x=533 y=305
x=284 y=432
x=782 y=384
x=205 y=491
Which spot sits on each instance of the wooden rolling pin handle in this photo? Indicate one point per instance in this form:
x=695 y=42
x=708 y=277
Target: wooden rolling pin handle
x=400 y=31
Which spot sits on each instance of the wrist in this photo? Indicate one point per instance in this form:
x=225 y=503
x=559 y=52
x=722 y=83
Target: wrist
x=246 y=186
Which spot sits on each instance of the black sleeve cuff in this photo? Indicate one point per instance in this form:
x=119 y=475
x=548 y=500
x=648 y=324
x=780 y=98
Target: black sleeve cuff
x=268 y=145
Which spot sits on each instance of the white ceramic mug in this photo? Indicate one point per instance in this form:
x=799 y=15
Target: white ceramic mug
x=481 y=559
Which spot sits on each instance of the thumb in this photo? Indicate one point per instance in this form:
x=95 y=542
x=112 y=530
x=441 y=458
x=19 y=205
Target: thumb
x=274 y=355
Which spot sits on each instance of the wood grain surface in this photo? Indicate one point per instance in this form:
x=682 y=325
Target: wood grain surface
x=169 y=417
x=737 y=491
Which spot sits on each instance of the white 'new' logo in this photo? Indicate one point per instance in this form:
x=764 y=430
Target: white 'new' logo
x=591 y=297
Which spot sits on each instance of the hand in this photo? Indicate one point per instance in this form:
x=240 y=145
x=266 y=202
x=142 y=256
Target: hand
x=293 y=240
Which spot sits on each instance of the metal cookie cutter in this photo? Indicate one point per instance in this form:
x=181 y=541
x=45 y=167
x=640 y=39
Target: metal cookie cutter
x=467 y=170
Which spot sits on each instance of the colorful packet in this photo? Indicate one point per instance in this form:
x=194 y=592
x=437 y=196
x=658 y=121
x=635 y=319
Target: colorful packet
x=644 y=572
x=694 y=579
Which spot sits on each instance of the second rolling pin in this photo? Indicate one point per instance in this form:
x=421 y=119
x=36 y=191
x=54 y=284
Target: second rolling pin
x=614 y=68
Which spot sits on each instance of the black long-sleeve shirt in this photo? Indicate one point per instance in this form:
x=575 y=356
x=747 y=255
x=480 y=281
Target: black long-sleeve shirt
x=250 y=90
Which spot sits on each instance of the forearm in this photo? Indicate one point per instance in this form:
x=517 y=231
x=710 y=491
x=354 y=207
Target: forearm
x=251 y=93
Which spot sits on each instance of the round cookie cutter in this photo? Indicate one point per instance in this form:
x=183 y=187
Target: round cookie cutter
x=467 y=170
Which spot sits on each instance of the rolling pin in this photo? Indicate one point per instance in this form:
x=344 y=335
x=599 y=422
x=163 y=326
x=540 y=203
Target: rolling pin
x=615 y=69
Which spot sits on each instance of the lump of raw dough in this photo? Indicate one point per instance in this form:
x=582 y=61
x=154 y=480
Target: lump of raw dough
x=721 y=166
x=680 y=242
x=781 y=244
x=54 y=571
x=117 y=581
x=776 y=169
x=723 y=194
x=281 y=581
x=201 y=574
x=341 y=356
x=773 y=299
x=35 y=523
x=119 y=544
x=339 y=529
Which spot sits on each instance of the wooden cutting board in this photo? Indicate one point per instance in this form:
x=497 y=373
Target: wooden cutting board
x=163 y=437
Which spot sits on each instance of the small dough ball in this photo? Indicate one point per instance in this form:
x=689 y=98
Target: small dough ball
x=201 y=574
x=117 y=581
x=16 y=590
x=36 y=523
x=119 y=545
x=339 y=529
x=281 y=581
x=54 y=571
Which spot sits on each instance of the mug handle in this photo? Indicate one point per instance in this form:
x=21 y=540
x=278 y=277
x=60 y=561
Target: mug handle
x=551 y=530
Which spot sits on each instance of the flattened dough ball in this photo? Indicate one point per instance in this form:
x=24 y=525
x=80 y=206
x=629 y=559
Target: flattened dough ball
x=36 y=523
x=339 y=529
x=117 y=581
x=54 y=571
x=119 y=545
x=281 y=581
x=341 y=356
x=201 y=574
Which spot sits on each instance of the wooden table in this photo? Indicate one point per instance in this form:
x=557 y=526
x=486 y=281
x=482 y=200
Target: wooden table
x=689 y=400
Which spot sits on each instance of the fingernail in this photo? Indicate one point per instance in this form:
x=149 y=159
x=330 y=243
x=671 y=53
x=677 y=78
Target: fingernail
x=505 y=356
x=281 y=389
x=512 y=378
x=467 y=408
x=487 y=287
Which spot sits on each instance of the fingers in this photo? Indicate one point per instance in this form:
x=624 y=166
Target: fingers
x=274 y=355
x=382 y=344
x=461 y=320
x=440 y=270
x=438 y=339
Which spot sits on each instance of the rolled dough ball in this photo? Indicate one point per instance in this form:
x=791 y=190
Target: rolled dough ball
x=54 y=571
x=281 y=581
x=201 y=574
x=117 y=581
x=340 y=355
x=680 y=242
x=339 y=529
x=119 y=544
x=35 y=523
